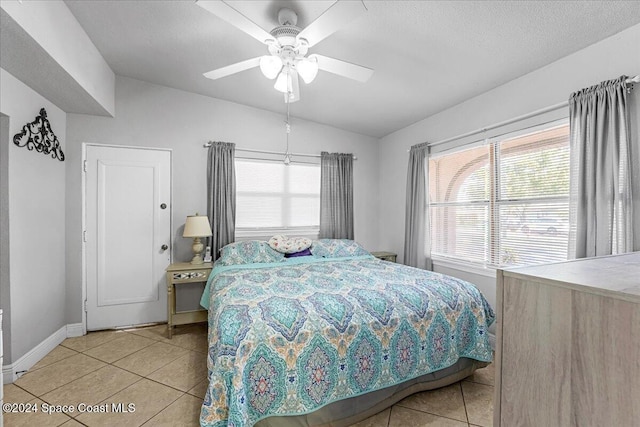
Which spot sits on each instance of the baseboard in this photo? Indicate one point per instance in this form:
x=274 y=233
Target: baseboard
x=75 y=330
x=9 y=372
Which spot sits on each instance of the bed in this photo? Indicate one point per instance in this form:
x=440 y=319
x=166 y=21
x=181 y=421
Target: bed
x=332 y=338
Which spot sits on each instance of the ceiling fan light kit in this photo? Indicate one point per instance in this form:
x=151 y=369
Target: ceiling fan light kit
x=287 y=61
x=288 y=45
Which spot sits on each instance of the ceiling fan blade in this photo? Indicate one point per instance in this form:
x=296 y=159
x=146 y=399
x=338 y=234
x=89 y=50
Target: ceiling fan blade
x=227 y=13
x=233 y=68
x=342 y=68
x=337 y=16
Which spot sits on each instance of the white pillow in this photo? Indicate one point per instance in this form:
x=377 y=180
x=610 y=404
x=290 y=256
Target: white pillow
x=289 y=245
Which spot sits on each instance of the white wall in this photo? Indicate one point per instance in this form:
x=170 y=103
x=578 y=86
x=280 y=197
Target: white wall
x=542 y=88
x=36 y=207
x=156 y=116
x=71 y=50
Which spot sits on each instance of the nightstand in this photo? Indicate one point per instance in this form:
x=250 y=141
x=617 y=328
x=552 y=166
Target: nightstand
x=385 y=256
x=177 y=274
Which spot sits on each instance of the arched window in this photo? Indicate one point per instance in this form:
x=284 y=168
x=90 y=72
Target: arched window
x=504 y=202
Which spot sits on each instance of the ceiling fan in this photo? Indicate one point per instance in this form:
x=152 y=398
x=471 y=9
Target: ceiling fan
x=288 y=46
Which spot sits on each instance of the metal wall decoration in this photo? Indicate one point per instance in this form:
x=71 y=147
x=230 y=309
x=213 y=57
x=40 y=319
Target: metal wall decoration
x=39 y=136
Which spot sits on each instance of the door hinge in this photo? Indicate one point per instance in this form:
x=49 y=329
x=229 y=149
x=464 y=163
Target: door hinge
x=85 y=306
x=84 y=166
x=84 y=236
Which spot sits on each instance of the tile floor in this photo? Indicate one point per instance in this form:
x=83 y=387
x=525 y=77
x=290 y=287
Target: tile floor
x=166 y=380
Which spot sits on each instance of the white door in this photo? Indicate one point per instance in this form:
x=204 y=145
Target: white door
x=128 y=233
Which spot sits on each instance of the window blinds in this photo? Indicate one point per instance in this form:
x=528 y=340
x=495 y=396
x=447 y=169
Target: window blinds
x=270 y=194
x=503 y=203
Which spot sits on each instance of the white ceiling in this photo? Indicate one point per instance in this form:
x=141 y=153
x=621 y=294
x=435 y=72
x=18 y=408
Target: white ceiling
x=427 y=55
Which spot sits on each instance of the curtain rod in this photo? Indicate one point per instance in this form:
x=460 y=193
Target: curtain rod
x=279 y=153
x=631 y=80
x=503 y=123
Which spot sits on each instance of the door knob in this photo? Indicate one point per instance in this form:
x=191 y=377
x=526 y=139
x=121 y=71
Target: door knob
x=164 y=247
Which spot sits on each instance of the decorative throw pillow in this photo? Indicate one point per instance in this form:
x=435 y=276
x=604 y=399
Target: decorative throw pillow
x=337 y=248
x=305 y=252
x=289 y=245
x=248 y=252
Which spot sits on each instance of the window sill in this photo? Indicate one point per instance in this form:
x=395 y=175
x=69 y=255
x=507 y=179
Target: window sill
x=464 y=266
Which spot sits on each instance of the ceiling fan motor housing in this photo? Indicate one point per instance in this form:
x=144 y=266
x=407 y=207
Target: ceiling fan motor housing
x=286 y=34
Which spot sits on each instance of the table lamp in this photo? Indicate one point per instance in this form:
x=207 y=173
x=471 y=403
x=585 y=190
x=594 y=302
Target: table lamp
x=197 y=226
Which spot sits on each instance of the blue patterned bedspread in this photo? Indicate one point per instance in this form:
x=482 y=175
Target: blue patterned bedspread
x=288 y=338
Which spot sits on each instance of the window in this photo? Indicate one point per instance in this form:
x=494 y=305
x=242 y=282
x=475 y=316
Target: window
x=275 y=197
x=503 y=203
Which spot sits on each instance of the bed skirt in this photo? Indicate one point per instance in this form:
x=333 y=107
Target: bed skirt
x=353 y=410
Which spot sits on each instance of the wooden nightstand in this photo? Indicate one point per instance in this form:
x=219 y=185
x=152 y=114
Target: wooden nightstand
x=385 y=256
x=184 y=272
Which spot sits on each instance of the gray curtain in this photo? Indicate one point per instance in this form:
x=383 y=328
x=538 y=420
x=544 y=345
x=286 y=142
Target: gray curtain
x=417 y=240
x=221 y=195
x=336 y=196
x=601 y=205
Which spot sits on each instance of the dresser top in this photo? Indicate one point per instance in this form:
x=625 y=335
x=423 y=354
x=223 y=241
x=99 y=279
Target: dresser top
x=614 y=273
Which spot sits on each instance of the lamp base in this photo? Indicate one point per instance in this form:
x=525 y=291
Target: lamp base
x=197 y=259
x=197 y=248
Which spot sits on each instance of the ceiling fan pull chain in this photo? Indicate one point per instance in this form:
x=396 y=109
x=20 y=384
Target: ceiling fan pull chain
x=287 y=156
x=287 y=122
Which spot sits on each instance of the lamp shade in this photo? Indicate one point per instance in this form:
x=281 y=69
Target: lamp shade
x=270 y=66
x=283 y=82
x=197 y=226
x=308 y=68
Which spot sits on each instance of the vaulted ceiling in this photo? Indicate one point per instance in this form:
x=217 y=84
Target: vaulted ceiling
x=427 y=55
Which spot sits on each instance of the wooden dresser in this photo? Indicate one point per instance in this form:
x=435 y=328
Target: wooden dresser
x=568 y=344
